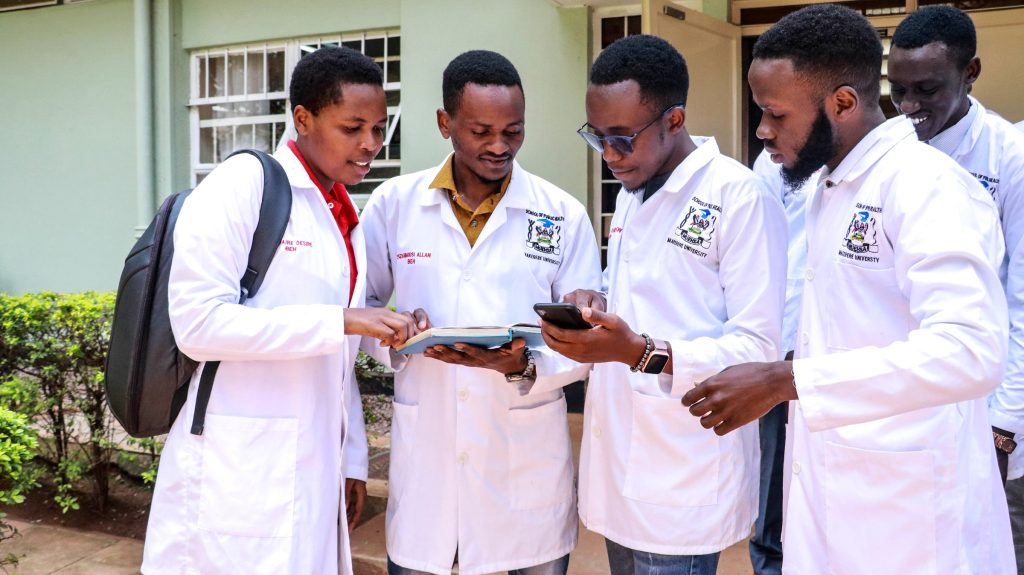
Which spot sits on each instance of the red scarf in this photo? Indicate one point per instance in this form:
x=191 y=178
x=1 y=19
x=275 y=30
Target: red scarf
x=342 y=209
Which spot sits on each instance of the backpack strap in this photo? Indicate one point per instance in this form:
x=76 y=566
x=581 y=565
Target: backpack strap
x=275 y=210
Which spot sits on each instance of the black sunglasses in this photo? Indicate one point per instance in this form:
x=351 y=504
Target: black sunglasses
x=621 y=144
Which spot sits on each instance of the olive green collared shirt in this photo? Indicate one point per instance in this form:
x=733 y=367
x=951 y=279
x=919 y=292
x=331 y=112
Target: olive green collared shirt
x=472 y=221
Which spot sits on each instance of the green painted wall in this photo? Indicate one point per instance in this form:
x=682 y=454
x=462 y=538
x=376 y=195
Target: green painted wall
x=68 y=177
x=548 y=45
x=218 y=22
x=67 y=204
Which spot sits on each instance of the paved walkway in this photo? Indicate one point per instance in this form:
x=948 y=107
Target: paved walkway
x=46 y=550
x=56 y=550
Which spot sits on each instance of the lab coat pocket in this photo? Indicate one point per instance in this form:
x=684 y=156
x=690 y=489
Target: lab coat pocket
x=880 y=511
x=540 y=456
x=673 y=461
x=403 y=440
x=248 y=476
x=851 y=324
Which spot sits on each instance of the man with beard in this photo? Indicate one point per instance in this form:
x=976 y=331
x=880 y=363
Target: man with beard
x=481 y=462
x=902 y=332
x=696 y=259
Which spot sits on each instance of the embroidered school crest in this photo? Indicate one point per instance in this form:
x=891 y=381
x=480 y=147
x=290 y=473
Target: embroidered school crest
x=698 y=226
x=861 y=236
x=544 y=236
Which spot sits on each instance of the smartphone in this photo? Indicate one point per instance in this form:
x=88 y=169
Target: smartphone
x=563 y=315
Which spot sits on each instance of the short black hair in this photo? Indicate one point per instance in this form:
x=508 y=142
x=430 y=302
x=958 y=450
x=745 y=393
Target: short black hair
x=831 y=45
x=945 y=24
x=480 y=67
x=651 y=62
x=319 y=75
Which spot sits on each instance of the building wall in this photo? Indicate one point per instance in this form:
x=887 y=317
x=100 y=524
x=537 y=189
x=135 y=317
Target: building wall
x=67 y=174
x=547 y=44
x=68 y=201
x=1000 y=45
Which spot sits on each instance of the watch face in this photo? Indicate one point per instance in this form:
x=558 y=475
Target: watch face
x=656 y=363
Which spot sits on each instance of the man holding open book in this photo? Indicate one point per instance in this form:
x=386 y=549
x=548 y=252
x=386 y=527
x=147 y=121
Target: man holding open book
x=481 y=462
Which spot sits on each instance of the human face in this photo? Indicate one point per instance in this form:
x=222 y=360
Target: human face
x=619 y=110
x=929 y=87
x=340 y=141
x=795 y=128
x=487 y=130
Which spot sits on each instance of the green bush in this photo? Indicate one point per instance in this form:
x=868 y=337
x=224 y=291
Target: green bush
x=52 y=352
x=17 y=448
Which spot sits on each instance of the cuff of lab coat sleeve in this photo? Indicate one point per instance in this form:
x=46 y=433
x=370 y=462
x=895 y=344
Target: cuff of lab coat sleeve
x=553 y=371
x=692 y=363
x=359 y=471
x=1002 y=420
x=807 y=394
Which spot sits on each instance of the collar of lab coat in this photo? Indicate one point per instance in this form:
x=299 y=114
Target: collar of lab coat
x=707 y=150
x=977 y=126
x=871 y=148
x=298 y=177
x=517 y=195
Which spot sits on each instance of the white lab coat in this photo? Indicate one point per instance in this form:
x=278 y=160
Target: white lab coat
x=261 y=491
x=903 y=333
x=651 y=478
x=474 y=465
x=794 y=200
x=992 y=150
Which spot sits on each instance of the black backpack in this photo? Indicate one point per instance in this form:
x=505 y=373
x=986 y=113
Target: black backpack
x=147 y=376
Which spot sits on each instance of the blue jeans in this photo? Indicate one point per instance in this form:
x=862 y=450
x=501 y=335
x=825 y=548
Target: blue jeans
x=766 y=545
x=557 y=567
x=626 y=561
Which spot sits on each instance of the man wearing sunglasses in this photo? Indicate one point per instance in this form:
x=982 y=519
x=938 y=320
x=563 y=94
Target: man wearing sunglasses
x=695 y=283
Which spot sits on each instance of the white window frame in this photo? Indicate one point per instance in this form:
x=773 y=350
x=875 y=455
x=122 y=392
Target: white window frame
x=292 y=54
x=601 y=219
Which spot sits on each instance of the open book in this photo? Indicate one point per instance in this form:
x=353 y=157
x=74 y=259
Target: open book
x=478 y=336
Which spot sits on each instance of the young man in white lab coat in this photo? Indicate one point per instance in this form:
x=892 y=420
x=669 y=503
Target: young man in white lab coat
x=933 y=63
x=697 y=260
x=283 y=454
x=903 y=328
x=481 y=462
x=932 y=66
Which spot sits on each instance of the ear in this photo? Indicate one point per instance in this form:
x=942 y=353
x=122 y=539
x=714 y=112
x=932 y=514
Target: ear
x=303 y=119
x=844 y=103
x=972 y=71
x=443 y=123
x=676 y=120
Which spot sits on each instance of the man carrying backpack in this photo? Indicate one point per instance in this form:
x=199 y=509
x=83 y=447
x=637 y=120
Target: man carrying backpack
x=283 y=450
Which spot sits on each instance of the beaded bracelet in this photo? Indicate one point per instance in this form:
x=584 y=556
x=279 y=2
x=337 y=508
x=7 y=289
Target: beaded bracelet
x=647 y=352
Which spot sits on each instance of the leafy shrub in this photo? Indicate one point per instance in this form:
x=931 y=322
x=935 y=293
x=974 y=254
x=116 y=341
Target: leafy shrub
x=17 y=448
x=52 y=352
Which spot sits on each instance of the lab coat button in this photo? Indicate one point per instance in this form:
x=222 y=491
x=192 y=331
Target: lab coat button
x=467 y=276
x=596 y=431
x=809 y=274
x=463 y=395
x=804 y=338
x=796 y=468
x=463 y=458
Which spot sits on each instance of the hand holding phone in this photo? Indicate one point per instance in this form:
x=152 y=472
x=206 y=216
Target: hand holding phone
x=563 y=315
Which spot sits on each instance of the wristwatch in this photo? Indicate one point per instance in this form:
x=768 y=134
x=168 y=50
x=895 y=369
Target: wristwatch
x=658 y=357
x=1004 y=443
x=529 y=373
x=655 y=356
